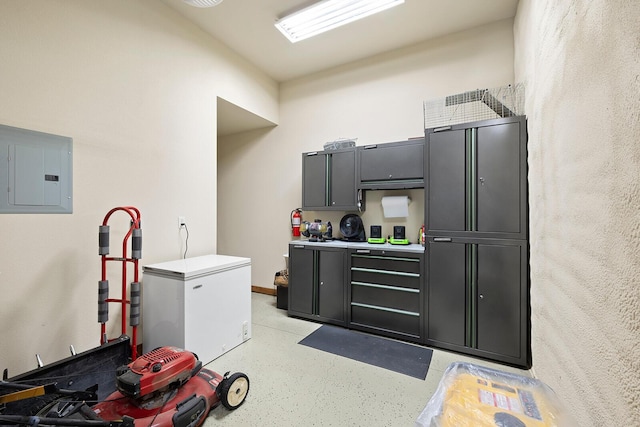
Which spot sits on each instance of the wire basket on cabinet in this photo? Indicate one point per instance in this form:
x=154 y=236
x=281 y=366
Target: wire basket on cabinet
x=475 y=105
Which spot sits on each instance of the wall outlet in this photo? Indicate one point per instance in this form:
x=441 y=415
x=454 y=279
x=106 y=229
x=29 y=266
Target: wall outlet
x=182 y=221
x=245 y=330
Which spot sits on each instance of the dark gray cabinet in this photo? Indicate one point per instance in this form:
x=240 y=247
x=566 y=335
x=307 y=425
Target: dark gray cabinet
x=393 y=165
x=477 y=252
x=317 y=278
x=476 y=179
x=478 y=297
x=329 y=180
x=386 y=293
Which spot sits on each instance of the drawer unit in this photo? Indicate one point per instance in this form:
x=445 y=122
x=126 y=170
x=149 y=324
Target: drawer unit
x=405 y=299
x=385 y=260
x=382 y=277
x=392 y=323
x=386 y=292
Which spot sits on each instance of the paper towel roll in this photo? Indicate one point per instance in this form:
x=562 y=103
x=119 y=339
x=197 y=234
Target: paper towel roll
x=395 y=206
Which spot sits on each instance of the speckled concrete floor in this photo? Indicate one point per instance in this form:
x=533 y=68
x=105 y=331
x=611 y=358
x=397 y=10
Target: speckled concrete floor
x=294 y=385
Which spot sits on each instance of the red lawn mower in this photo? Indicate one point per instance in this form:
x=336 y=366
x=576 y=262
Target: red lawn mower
x=166 y=387
x=169 y=387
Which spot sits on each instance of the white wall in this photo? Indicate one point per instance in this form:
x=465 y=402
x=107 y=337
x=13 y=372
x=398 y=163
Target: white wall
x=581 y=64
x=375 y=100
x=135 y=86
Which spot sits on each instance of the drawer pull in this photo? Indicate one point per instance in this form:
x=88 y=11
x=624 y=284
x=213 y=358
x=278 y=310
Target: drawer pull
x=392 y=288
x=391 y=273
x=391 y=310
x=197 y=286
x=298 y=246
x=363 y=251
x=442 y=239
x=390 y=258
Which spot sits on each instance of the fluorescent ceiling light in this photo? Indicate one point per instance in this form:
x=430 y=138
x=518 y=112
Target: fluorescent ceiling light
x=327 y=15
x=203 y=3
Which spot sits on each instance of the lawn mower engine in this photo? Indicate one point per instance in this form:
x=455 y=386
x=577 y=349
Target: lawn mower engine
x=168 y=387
x=156 y=373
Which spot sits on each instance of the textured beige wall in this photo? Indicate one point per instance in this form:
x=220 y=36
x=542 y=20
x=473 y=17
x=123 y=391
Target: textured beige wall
x=375 y=100
x=135 y=86
x=580 y=62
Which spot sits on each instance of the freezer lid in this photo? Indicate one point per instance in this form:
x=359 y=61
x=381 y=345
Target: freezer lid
x=196 y=266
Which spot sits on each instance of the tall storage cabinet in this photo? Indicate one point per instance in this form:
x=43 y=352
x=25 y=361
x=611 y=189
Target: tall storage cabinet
x=317 y=280
x=477 y=247
x=201 y=304
x=477 y=179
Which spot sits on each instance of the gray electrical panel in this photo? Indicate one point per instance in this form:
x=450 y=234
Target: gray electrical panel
x=35 y=172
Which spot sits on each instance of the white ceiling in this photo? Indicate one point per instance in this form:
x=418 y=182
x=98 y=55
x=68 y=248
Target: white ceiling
x=247 y=27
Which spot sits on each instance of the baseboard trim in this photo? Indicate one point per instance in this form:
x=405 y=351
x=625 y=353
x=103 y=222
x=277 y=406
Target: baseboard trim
x=261 y=290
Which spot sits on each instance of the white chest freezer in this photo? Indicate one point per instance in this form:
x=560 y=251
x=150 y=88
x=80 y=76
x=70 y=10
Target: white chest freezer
x=200 y=304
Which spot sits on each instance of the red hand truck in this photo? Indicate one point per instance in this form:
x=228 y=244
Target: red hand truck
x=135 y=233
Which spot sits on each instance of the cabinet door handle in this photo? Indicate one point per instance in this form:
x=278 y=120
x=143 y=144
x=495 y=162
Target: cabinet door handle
x=197 y=286
x=442 y=129
x=481 y=296
x=442 y=239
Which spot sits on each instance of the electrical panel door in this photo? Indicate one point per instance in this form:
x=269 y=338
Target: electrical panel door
x=37 y=175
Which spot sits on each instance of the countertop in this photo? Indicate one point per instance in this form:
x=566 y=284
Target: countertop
x=413 y=247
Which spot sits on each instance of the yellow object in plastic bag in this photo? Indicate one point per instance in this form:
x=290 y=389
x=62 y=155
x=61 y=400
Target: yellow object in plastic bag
x=473 y=396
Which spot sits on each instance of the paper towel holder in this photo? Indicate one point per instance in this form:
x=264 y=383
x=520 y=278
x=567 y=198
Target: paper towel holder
x=395 y=206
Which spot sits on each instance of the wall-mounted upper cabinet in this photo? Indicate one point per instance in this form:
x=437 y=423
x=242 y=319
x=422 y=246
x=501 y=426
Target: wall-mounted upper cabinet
x=329 y=181
x=393 y=165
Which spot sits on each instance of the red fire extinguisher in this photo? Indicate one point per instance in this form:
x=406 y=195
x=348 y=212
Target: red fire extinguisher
x=296 y=219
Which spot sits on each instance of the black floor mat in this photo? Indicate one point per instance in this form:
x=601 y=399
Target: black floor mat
x=386 y=353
